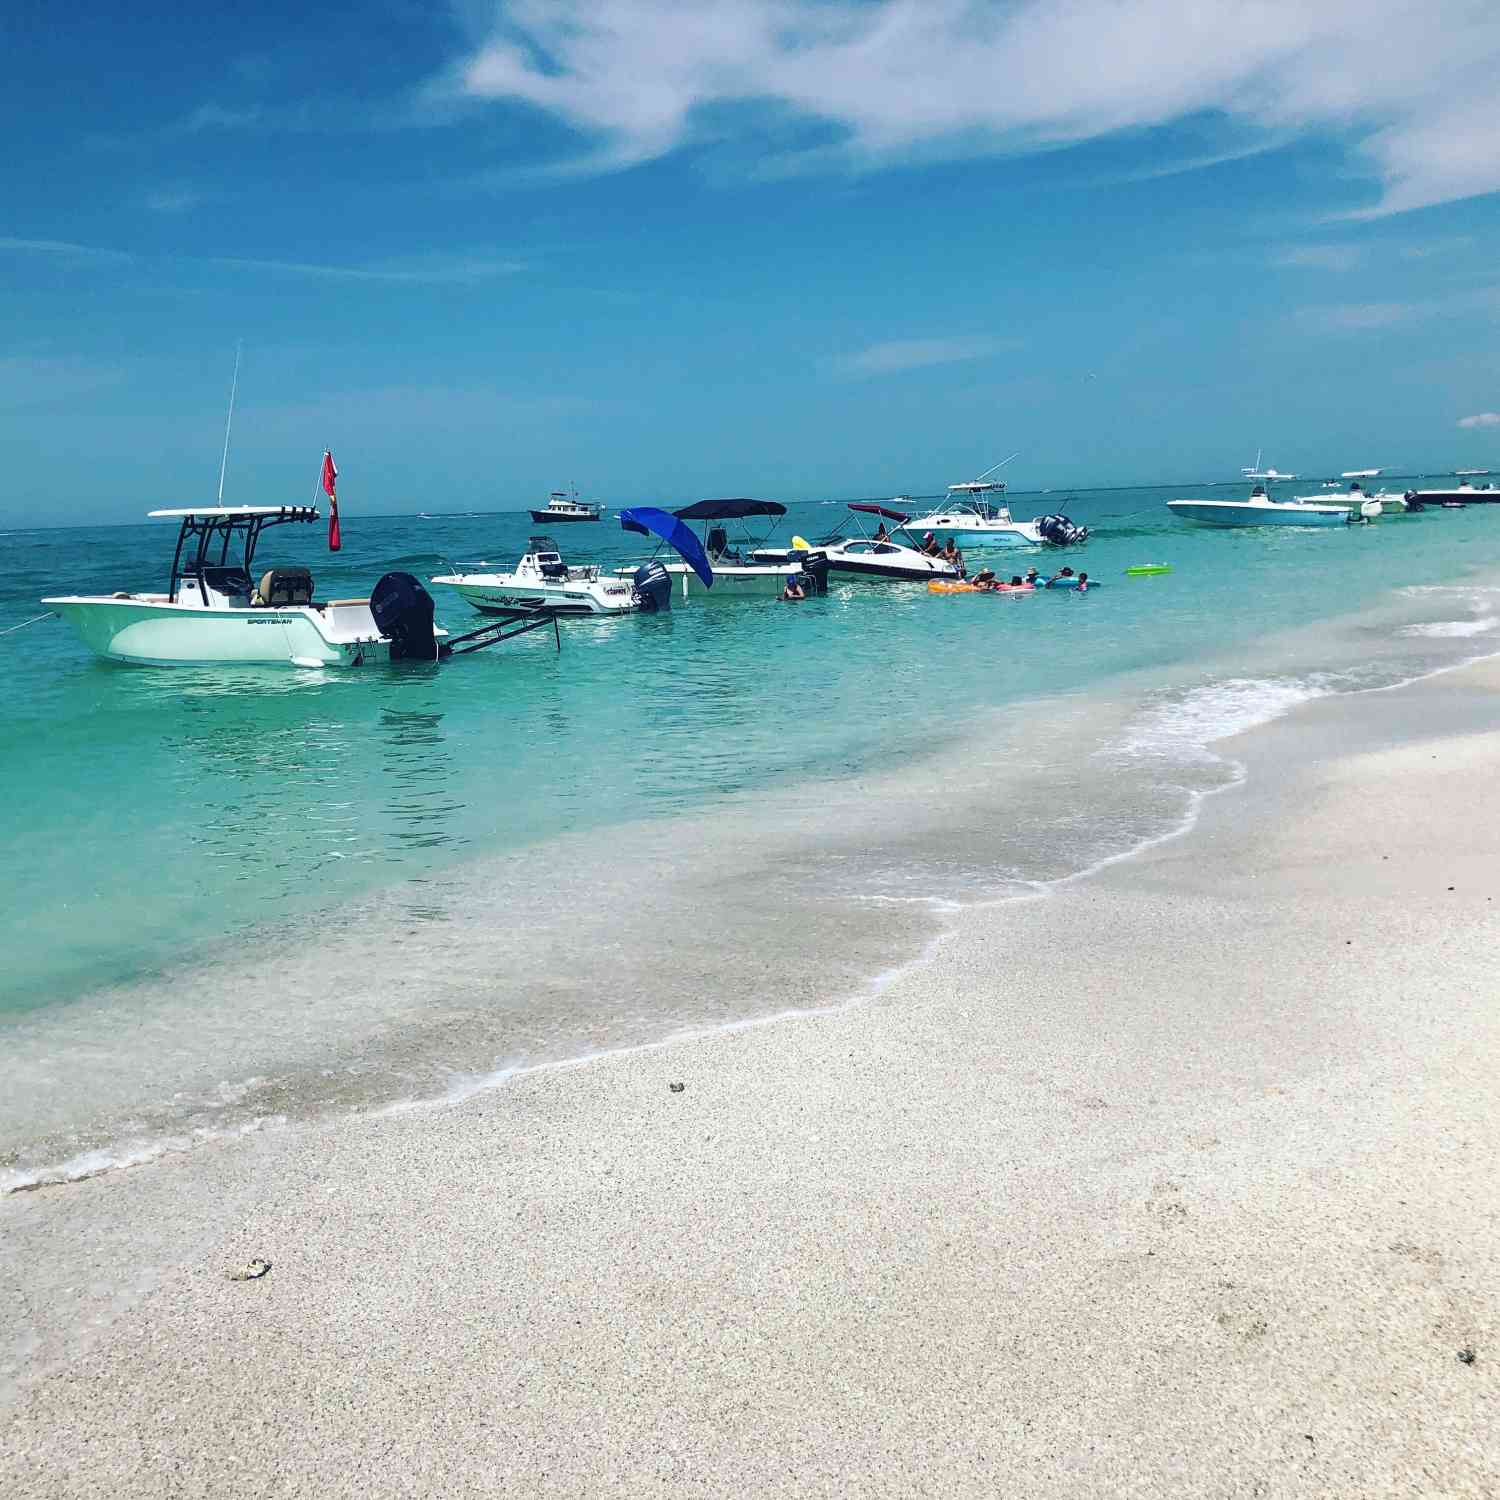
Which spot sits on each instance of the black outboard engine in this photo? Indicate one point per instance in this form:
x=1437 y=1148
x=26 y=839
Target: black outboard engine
x=403 y=614
x=815 y=573
x=652 y=586
x=1058 y=531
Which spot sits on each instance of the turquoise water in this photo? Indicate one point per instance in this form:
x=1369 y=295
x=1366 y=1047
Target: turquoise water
x=171 y=833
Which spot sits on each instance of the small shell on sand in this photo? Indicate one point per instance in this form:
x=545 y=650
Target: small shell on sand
x=252 y=1270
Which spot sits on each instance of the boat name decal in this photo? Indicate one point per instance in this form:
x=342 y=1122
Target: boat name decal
x=273 y=620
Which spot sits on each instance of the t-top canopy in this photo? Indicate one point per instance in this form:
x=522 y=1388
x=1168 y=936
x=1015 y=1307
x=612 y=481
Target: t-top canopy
x=729 y=510
x=880 y=510
x=227 y=512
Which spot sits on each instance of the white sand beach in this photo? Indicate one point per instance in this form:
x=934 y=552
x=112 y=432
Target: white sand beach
x=1180 y=1180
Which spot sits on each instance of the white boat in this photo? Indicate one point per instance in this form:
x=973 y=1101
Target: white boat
x=1361 y=474
x=1470 y=473
x=215 y=611
x=1260 y=510
x=562 y=506
x=1357 y=500
x=543 y=581
x=1255 y=471
x=866 y=555
x=735 y=572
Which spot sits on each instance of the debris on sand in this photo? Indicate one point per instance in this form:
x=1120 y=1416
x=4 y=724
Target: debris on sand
x=252 y=1270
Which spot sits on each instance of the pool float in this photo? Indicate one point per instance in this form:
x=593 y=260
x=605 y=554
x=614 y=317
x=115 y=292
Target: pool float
x=1147 y=570
x=1071 y=583
x=955 y=586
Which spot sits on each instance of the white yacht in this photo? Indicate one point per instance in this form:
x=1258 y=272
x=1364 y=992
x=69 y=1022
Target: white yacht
x=214 y=610
x=562 y=506
x=1260 y=510
x=542 y=580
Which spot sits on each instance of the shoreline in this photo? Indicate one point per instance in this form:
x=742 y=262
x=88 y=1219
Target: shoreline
x=1138 y=1186
x=121 y=1154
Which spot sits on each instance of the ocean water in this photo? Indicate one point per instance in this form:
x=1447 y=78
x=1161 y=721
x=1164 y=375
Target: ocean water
x=239 y=897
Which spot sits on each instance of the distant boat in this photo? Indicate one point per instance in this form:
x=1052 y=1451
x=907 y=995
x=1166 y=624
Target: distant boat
x=1470 y=473
x=543 y=581
x=1259 y=510
x=562 y=506
x=1361 y=474
x=1256 y=472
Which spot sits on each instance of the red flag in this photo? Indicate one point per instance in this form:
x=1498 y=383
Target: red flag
x=330 y=476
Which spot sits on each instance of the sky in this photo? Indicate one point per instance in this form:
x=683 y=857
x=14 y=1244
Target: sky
x=787 y=248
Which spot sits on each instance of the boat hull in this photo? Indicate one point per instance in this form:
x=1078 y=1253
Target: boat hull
x=731 y=581
x=1458 y=496
x=553 y=518
x=975 y=537
x=502 y=599
x=150 y=634
x=1236 y=513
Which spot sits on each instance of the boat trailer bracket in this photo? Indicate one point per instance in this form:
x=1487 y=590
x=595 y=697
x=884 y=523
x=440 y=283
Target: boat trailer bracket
x=515 y=622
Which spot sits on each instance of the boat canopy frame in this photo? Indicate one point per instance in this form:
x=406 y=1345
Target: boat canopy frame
x=211 y=526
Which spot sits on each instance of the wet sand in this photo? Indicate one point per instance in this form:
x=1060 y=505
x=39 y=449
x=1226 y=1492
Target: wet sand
x=1178 y=1181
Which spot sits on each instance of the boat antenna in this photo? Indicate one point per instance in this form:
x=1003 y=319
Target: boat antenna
x=999 y=465
x=229 y=421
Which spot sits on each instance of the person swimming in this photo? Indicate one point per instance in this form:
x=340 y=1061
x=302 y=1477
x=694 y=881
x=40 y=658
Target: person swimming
x=794 y=589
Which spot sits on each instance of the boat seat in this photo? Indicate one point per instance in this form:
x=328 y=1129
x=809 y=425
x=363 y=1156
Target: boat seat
x=281 y=586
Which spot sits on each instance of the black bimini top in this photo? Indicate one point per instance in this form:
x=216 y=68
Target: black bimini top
x=880 y=510
x=729 y=510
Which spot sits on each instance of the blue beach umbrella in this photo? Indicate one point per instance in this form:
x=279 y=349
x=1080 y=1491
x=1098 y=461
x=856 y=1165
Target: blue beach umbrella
x=649 y=521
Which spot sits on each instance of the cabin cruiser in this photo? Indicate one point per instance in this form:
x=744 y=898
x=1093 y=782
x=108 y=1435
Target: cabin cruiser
x=542 y=580
x=866 y=555
x=562 y=506
x=973 y=517
x=216 y=610
x=1260 y=510
x=729 y=569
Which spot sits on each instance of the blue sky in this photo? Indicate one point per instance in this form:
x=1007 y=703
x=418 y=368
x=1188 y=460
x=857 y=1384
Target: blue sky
x=781 y=247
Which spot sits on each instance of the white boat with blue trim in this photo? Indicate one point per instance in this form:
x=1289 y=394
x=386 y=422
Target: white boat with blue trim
x=1260 y=510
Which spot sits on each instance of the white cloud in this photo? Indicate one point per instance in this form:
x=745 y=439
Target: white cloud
x=1481 y=419
x=1320 y=257
x=898 y=79
x=915 y=354
x=424 y=271
x=64 y=250
x=1359 y=317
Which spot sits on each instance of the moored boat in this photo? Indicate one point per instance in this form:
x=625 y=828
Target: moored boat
x=732 y=570
x=214 y=611
x=1260 y=510
x=564 y=507
x=543 y=581
x=867 y=555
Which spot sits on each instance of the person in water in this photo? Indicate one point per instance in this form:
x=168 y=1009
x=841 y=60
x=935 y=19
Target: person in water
x=1083 y=582
x=954 y=558
x=1031 y=577
x=794 y=589
x=984 y=579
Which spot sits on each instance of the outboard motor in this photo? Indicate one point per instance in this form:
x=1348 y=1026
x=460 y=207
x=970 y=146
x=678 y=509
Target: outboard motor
x=652 y=586
x=403 y=614
x=815 y=572
x=1058 y=531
